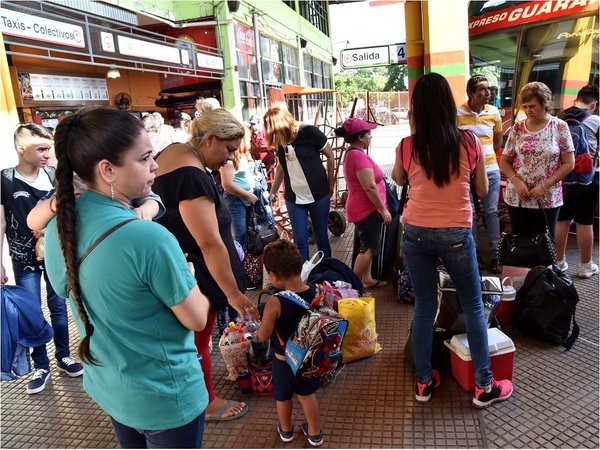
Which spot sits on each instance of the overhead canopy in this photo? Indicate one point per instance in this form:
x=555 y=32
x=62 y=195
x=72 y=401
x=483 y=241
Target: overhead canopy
x=299 y=90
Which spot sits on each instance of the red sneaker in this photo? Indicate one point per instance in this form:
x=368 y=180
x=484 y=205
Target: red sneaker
x=423 y=391
x=501 y=390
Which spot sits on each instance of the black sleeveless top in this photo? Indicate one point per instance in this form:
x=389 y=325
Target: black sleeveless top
x=187 y=183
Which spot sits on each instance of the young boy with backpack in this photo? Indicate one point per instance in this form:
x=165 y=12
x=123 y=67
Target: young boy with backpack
x=280 y=319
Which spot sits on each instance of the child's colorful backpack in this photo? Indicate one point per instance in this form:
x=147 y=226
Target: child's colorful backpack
x=314 y=348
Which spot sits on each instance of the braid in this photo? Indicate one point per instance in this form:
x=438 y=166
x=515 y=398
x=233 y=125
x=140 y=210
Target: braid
x=66 y=220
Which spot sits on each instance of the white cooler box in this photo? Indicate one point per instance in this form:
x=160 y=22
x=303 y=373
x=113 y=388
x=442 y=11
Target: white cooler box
x=502 y=356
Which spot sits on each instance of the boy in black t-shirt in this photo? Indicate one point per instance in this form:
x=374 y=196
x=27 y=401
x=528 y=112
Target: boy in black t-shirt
x=22 y=187
x=283 y=263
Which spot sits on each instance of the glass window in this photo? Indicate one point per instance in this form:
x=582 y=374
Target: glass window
x=315 y=11
x=246 y=52
x=317 y=73
x=493 y=55
x=327 y=76
x=249 y=97
x=290 y=3
x=271 y=60
x=563 y=55
x=290 y=62
x=308 y=69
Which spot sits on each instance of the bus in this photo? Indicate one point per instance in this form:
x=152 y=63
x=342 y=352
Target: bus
x=515 y=42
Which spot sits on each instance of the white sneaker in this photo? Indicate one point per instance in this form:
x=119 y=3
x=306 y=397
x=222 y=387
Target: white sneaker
x=587 y=270
x=562 y=265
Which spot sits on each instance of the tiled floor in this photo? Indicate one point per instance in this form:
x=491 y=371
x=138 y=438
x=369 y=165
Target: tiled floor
x=371 y=403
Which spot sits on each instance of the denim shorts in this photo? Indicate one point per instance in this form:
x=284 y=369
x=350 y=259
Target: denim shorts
x=285 y=383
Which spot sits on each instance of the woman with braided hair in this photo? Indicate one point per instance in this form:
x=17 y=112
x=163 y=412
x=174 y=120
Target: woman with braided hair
x=135 y=298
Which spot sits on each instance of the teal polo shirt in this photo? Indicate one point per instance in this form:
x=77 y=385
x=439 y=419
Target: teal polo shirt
x=148 y=375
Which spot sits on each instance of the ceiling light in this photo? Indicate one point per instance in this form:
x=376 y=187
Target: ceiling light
x=113 y=72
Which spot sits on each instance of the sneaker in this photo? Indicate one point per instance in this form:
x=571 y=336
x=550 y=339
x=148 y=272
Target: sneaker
x=316 y=440
x=495 y=266
x=562 y=265
x=38 y=381
x=286 y=436
x=69 y=366
x=500 y=390
x=587 y=270
x=423 y=391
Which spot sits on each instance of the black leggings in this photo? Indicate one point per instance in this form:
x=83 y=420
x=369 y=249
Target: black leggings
x=529 y=221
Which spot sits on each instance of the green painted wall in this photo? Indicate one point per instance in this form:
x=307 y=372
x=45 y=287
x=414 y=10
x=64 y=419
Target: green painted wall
x=276 y=20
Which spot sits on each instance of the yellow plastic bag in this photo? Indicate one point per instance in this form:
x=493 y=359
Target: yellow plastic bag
x=361 y=337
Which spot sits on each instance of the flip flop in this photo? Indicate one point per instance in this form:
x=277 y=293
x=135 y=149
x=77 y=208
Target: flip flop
x=378 y=283
x=217 y=415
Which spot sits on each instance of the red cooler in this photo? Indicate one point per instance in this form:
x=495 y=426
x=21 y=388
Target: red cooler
x=502 y=356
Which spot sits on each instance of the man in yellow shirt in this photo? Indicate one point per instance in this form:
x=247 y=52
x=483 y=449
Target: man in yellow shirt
x=484 y=121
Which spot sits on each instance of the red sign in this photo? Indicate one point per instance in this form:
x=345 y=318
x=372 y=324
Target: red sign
x=528 y=12
x=244 y=38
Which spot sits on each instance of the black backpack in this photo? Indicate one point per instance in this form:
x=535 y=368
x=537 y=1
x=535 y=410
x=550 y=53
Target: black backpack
x=331 y=270
x=546 y=306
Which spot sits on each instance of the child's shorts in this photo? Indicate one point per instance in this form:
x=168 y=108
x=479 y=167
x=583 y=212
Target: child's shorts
x=285 y=383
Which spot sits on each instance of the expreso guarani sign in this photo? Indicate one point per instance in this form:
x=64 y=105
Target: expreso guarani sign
x=382 y=55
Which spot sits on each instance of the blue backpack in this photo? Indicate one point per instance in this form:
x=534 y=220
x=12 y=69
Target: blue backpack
x=315 y=348
x=583 y=173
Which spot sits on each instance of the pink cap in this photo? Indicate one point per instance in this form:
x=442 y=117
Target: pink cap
x=355 y=125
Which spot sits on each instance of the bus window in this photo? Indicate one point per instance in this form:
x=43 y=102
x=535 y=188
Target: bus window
x=493 y=55
x=563 y=55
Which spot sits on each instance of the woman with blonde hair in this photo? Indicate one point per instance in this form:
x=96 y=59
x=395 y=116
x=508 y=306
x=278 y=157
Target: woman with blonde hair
x=308 y=186
x=237 y=179
x=199 y=218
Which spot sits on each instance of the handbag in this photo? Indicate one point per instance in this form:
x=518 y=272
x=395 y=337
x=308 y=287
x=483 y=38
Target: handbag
x=259 y=233
x=527 y=250
x=450 y=317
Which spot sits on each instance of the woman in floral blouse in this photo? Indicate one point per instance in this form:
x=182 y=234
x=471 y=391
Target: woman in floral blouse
x=538 y=154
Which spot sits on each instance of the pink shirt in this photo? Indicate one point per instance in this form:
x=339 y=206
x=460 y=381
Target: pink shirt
x=358 y=204
x=433 y=207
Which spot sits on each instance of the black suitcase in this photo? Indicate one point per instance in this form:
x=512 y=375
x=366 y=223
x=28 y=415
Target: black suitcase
x=384 y=263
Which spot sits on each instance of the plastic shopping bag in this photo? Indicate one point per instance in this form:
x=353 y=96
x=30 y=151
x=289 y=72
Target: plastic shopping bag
x=235 y=357
x=361 y=336
x=309 y=265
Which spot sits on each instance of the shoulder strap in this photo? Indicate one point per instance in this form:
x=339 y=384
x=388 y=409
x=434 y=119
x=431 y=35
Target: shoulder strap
x=292 y=296
x=472 y=153
x=406 y=156
x=51 y=172
x=101 y=238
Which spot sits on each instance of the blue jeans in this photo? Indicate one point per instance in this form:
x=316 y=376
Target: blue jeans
x=239 y=216
x=57 y=306
x=421 y=248
x=319 y=216
x=186 y=436
x=489 y=204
